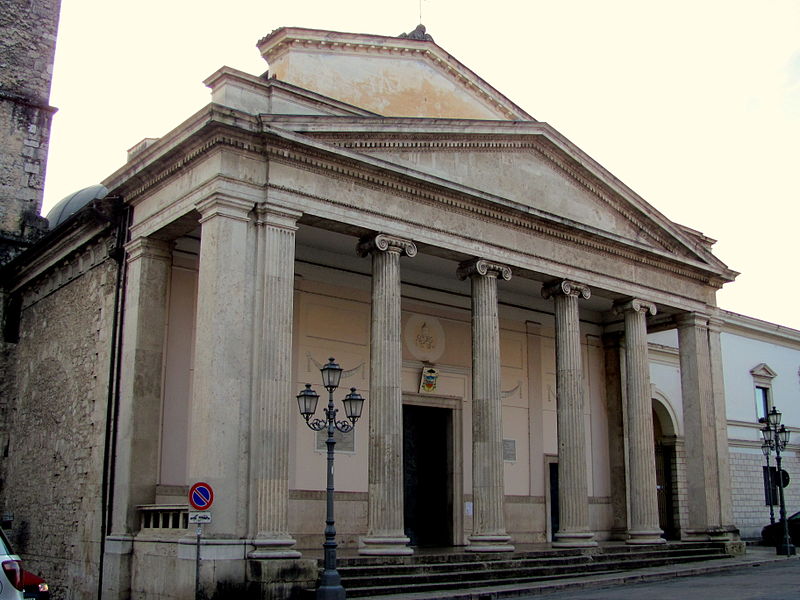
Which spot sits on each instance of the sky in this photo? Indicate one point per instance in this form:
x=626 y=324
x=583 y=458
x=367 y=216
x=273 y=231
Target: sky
x=695 y=105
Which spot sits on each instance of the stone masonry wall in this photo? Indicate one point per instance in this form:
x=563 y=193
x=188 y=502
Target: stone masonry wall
x=53 y=471
x=27 y=46
x=27 y=50
x=751 y=512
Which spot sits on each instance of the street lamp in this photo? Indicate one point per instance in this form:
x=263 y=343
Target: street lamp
x=776 y=436
x=330 y=587
x=765 y=448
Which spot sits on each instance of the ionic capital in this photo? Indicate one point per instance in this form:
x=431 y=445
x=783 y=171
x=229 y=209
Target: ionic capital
x=635 y=305
x=220 y=205
x=479 y=266
x=386 y=243
x=145 y=247
x=566 y=288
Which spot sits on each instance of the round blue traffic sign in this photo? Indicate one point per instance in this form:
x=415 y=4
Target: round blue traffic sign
x=201 y=496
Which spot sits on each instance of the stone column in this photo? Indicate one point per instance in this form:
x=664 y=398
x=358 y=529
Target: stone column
x=272 y=371
x=139 y=421
x=220 y=417
x=386 y=532
x=573 y=494
x=488 y=489
x=702 y=426
x=643 y=525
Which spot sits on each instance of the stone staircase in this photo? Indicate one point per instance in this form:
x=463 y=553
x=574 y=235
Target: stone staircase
x=365 y=577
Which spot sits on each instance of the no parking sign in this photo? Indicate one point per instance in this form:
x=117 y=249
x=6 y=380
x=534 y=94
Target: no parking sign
x=201 y=496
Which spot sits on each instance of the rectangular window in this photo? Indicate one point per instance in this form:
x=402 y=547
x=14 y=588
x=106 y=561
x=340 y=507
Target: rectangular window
x=762 y=401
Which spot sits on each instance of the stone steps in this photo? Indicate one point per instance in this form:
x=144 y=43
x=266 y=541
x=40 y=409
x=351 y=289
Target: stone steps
x=375 y=576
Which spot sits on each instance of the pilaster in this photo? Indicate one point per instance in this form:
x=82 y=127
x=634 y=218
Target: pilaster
x=707 y=471
x=272 y=381
x=139 y=421
x=721 y=431
x=573 y=495
x=612 y=359
x=139 y=417
x=488 y=489
x=386 y=533
x=643 y=527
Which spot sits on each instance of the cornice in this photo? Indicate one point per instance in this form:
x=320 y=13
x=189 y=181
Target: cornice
x=737 y=324
x=59 y=247
x=66 y=268
x=211 y=127
x=155 y=175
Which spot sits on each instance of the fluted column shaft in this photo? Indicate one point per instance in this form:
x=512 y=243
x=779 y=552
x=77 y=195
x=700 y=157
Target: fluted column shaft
x=222 y=384
x=488 y=489
x=643 y=525
x=385 y=533
x=573 y=494
x=272 y=358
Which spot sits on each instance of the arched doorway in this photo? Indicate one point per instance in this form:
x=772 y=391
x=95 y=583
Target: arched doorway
x=664 y=442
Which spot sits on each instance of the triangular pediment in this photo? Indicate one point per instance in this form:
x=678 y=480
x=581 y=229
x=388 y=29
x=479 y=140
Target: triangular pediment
x=390 y=76
x=526 y=165
x=762 y=371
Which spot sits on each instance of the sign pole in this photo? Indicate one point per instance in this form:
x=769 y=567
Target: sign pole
x=201 y=497
x=199 y=532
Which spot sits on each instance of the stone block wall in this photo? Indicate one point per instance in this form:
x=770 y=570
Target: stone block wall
x=680 y=488
x=750 y=510
x=27 y=51
x=53 y=471
x=27 y=46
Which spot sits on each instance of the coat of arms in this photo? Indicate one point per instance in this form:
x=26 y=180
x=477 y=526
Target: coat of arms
x=429 y=379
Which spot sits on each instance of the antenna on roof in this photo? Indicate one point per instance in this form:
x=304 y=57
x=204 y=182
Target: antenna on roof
x=420 y=11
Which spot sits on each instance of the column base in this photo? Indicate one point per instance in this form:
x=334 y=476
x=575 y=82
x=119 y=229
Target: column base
x=282 y=578
x=645 y=537
x=489 y=543
x=278 y=547
x=574 y=539
x=711 y=534
x=384 y=546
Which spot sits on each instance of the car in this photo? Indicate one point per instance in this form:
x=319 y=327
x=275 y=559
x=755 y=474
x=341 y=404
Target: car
x=772 y=534
x=11 y=572
x=34 y=586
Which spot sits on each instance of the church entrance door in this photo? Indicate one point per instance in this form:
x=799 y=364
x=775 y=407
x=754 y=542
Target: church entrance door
x=427 y=475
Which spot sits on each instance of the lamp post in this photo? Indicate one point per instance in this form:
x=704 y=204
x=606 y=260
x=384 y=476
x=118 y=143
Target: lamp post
x=330 y=587
x=776 y=436
x=765 y=448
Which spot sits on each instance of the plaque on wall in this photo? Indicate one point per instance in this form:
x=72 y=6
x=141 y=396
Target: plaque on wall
x=510 y=450
x=345 y=442
x=424 y=337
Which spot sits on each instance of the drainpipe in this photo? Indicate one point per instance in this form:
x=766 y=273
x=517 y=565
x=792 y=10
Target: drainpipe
x=112 y=402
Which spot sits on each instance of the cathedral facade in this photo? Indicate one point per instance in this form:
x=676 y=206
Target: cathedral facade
x=539 y=348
